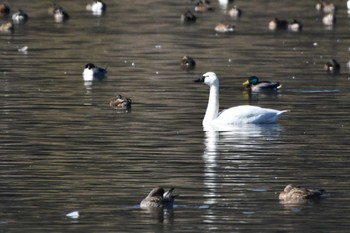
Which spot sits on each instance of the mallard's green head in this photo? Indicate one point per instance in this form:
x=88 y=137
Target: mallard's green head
x=253 y=80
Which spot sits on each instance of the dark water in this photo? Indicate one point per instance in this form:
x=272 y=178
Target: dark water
x=63 y=149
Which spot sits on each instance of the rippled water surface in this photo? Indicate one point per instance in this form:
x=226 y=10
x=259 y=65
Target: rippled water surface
x=62 y=148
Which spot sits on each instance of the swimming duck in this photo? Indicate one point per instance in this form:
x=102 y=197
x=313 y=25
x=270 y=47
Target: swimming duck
x=4 y=9
x=295 y=26
x=6 y=27
x=224 y=28
x=255 y=85
x=188 y=17
x=203 y=6
x=295 y=194
x=97 y=7
x=329 y=19
x=92 y=72
x=332 y=66
x=325 y=7
x=277 y=24
x=243 y=114
x=157 y=198
x=19 y=17
x=235 y=12
x=188 y=63
x=120 y=102
x=60 y=15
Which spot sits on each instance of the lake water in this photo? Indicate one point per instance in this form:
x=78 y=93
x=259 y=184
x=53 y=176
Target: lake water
x=62 y=148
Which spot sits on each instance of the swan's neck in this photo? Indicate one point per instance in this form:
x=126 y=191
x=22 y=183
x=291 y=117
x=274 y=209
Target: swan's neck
x=213 y=104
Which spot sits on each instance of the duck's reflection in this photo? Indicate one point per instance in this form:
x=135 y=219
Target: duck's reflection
x=237 y=138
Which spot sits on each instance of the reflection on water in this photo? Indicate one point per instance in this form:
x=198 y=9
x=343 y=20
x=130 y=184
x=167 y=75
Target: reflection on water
x=236 y=139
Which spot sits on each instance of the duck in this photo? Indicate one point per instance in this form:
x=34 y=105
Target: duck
x=295 y=26
x=6 y=27
x=20 y=17
x=224 y=28
x=188 y=17
x=60 y=15
x=332 y=66
x=255 y=85
x=296 y=194
x=235 y=12
x=203 y=6
x=325 y=7
x=4 y=9
x=277 y=24
x=188 y=63
x=120 y=102
x=243 y=114
x=92 y=72
x=329 y=19
x=158 y=198
x=97 y=7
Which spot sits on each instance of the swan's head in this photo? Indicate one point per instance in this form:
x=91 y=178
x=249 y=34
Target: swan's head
x=209 y=78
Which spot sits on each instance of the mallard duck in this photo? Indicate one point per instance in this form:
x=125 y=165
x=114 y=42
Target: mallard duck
x=60 y=15
x=235 y=12
x=120 y=102
x=188 y=17
x=277 y=24
x=295 y=26
x=92 y=72
x=157 y=198
x=4 y=9
x=97 y=7
x=332 y=66
x=6 y=27
x=19 y=17
x=255 y=85
x=203 y=6
x=243 y=114
x=224 y=28
x=188 y=63
x=295 y=194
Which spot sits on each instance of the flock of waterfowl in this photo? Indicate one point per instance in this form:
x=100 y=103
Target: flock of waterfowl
x=158 y=198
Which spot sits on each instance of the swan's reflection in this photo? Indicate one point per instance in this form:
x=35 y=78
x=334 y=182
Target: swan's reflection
x=241 y=138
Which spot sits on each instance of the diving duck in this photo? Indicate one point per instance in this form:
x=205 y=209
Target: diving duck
x=6 y=27
x=4 y=9
x=188 y=63
x=332 y=66
x=60 y=15
x=325 y=7
x=157 y=198
x=295 y=194
x=277 y=24
x=295 y=26
x=203 y=6
x=255 y=85
x=235 y=12
x=19 y=17
x=224 y=28
x=188 y=17
x=97 y=7
x=92 y=72
x=120 y=102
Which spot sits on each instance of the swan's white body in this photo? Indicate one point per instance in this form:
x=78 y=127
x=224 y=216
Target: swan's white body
x=243 y=114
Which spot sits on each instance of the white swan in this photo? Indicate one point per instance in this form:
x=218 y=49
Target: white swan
x=243 y=114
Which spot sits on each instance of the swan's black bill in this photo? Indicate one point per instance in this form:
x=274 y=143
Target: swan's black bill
x=200 y=80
